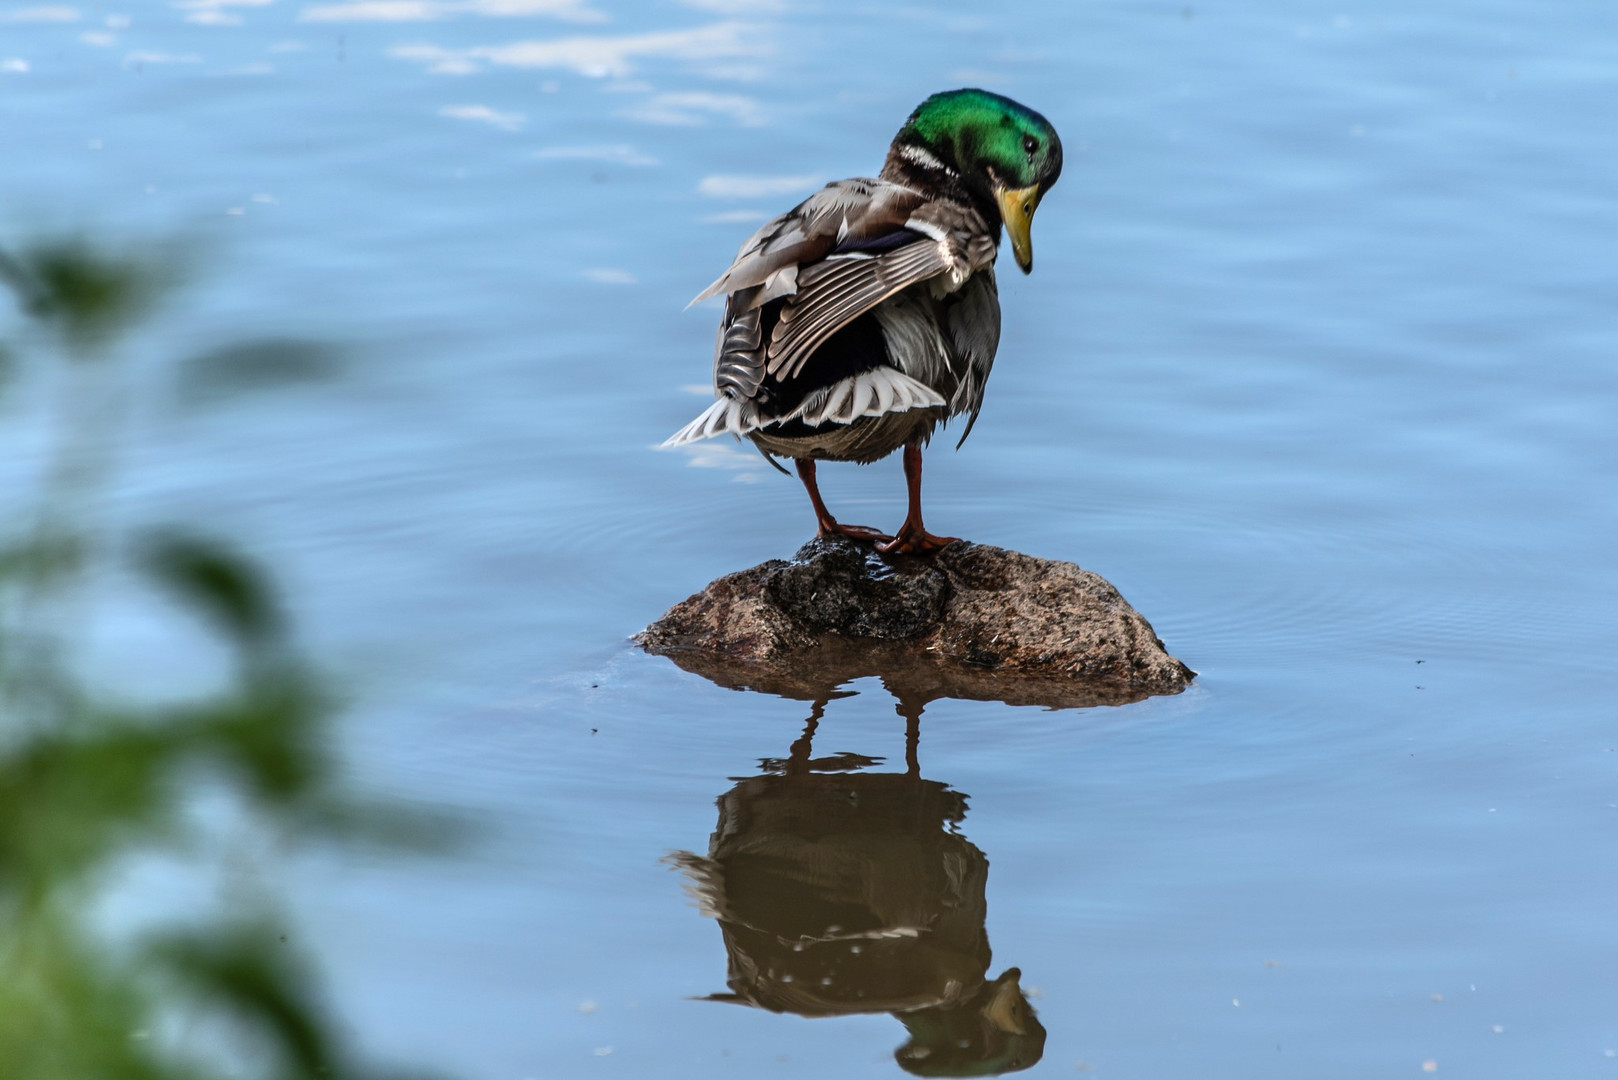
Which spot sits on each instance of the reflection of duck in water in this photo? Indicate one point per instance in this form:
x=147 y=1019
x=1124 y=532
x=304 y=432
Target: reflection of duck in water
x=843 y=892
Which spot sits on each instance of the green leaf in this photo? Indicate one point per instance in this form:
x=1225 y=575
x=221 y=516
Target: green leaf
x=87 y=293
x=247 y=972
x=225 y=588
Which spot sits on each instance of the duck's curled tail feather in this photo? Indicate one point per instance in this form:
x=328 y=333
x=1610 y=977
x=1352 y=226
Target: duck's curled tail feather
x=726 y=414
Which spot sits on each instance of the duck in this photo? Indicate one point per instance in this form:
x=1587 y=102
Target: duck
x=867 y=315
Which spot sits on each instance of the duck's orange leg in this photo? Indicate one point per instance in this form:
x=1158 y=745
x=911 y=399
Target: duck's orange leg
x=826 y=524
x=913 y=538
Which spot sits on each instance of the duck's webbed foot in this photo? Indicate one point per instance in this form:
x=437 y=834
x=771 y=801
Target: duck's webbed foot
x=915 y=540
x=863 y=533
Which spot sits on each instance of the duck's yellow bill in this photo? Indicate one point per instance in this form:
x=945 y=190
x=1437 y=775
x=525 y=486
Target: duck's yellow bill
x=1017 y=207
x=1003 y=1007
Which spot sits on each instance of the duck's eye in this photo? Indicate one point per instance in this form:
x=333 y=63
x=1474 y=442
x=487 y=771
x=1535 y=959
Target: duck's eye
x=1030 y=146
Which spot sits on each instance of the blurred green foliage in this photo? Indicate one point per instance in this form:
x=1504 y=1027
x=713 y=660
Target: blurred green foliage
x=90 y=779
x=255 y=365
x=85 y=294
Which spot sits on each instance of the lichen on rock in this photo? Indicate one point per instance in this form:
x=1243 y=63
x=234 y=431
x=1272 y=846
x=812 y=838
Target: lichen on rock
x=972 y=621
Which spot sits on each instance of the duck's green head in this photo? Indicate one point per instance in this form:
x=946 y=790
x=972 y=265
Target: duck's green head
x=1000 y=148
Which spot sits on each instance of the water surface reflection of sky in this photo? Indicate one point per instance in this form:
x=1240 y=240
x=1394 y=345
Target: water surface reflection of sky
x=1316 y=366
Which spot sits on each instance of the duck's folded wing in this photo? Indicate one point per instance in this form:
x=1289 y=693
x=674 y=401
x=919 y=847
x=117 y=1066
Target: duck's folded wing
x=860 y=217
x=839 y=212
x=836 y=291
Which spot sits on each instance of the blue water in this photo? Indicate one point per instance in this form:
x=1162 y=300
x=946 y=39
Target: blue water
x=1316 y=366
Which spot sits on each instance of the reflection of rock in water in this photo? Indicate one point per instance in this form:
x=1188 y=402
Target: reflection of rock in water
x=847 y=892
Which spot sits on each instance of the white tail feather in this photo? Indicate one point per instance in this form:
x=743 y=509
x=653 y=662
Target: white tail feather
x=863 y=397
x=886 y=392
x=726 y=414
x=836 y=397
x=870 y=393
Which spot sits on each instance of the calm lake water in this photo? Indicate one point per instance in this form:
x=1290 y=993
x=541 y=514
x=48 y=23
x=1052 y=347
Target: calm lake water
x=1316 y=366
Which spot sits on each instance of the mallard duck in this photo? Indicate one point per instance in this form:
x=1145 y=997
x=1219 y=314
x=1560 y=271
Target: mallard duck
x=858 y=320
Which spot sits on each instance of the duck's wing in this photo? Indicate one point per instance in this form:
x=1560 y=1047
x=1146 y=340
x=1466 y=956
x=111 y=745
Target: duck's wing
x=834 y=257
x=841 y=211
x=837 y=290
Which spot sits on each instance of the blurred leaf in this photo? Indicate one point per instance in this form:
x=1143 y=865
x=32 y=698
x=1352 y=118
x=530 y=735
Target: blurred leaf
x=8 y=365
x=69 y=1012
x=420 y=830
x=86 y=292
x=68 y=800
x=255 y=365
x=224 y=587
x=268 y=733
x=246 y=971
x=42 y=559
x=83 y=784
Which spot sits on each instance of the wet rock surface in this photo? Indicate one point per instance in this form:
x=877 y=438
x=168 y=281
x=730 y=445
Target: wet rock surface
x=972 y=621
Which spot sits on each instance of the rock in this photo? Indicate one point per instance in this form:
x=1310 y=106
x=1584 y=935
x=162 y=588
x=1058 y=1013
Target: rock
x=972 y=621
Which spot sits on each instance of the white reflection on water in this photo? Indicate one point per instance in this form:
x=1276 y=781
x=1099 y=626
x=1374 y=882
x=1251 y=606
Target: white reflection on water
x=757 y=187
x=142 y=57
x=691 y=108
x=210 y=17
x=214 y=12
x=748 y=467
x=610 y=275
x=614 y=153
x=483 y=114
x=594 y=56
x=738 y=7
x=42 y=14
x=735 y=217
x=433 y=10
